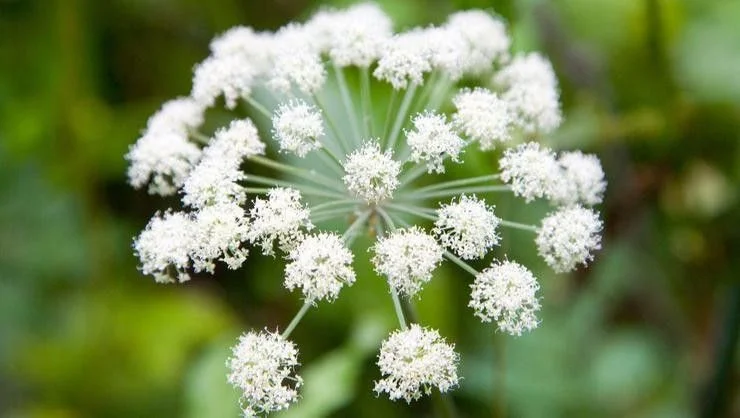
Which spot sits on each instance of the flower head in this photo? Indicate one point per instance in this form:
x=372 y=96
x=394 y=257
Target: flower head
x=467 y=227
x=229 y=76
x=568 y=237
x=407 y=258
x=432 y=140
x=164 y=246
x=485 y=36
x=531 y=170
x=297 y=126
x=320 y=265
x=371 y=174
x=219 y=233
x=262 y=366
x=482 y=116
x=281 y=218
x=506 y=293
x=415 y=360
x=403 y=62
x=582 y=179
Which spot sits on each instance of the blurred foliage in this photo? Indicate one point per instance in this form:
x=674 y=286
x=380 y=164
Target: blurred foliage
x=650 y=330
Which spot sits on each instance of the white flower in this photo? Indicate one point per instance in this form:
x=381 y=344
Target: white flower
x=404 y=60
x=506 y=293
x=320 y=265
x=568 y=237
x=582 y=179
x=407 y=258
x=215 y=180
x=486 y=38
x=482 y=116
x=532 y=93
x=371 y=174
x=219 y=232
x=354 y=36
x=297 y=126
x=531 y=170
x=467 y=227
x=163 y=247
x=296 y=62
x=253 y=47
x=433 y=140
x=447 y=51
x=262 y=366
x=280 y=218
x=163 y=160
x=231 y=76
x=179 y=116
x=413 y=361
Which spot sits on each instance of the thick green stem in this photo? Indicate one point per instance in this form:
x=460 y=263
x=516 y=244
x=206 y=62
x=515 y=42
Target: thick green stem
x=518 y=225
x=465 y=266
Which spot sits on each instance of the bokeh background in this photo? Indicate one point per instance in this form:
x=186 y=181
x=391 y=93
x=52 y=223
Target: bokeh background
x=649 y=330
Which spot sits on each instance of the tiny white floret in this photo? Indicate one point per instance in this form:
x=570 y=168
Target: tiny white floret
x=371 y=174
x=467 y=227
x=407 y=258
x=297 y=126
x=320 y=265
x=569 y=237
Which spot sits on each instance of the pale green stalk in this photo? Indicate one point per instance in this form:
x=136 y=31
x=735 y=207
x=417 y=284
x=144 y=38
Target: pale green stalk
x=518 y=225
x=310 y=175
x=457 y=183
x=401 y=117
x=454 y=192
x=348 y=104
x=296 y=320
x=367 y=102
x=259 y=107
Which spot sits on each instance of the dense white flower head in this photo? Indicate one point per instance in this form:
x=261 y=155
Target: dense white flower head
x=215 y=180
x=253 y=47
x=229 y=76
x=219 y=233
x=164 y=156
x=531 y=170
x=297 y=126
x=467 y=227
x=486 y=38
x=506 y=293
x=404 y=60
x=482 y=116
x=582 y=179
x=407 y=258
x=320 y=265
x=447 y=51
x=371 y=174
x=164 y=246
x=163 y=160
x=353 y=36
x=262 y=366
x=415 y=360
x=281 y=218
x=531 y=92
x=433 y=140
x=568 y=237
x=296 y=62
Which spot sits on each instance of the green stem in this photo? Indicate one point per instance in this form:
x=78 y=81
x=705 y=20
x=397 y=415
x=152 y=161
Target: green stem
x=367 y=102
x=389 y=112
x=340 y=139
x=348 y=104
x=411 y=211
x=296 y=319
x=401 y=117
x=397 y=307
x=333 y=203
x=349 y=233
x=303 y=188
x=412 y=174
x=456 y=183
x=465 y=266
x=259 y=107
x=518 y=225
x=454 y=192
x=310 y=175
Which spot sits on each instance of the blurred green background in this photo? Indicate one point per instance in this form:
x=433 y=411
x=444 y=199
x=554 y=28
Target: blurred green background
x=649 y=330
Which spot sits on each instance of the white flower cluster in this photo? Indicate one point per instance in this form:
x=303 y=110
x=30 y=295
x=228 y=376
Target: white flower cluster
x=321 y=167
x=506 y=293
x=414 y=361
x=263 y=366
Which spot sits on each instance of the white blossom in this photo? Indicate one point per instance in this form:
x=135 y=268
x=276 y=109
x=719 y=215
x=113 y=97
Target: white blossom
x=447 y=51
x=262 y=366
x=433 y=140
x=568 y=237
x=506 y=293
x=404 y=60
x=296 y=63
x=371 y=174
x=252 y=47
x=219 y=233
x=281 y=218
x=164 y=246
x=486 y=37
x=467 y=227
x=230 y=76
x=531 y=170
x=415 y=360
x=482 y=116
x=407 y=258
x=164 y=156
x=215 y=180
x=297 y=126
x=320 y=265
x=582 y=179
x=531 y=92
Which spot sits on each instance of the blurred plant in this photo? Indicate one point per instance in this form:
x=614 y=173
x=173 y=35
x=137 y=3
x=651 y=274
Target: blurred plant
x=356 y=178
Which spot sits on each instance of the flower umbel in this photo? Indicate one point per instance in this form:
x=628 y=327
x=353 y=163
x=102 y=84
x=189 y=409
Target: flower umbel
x=321 y=176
